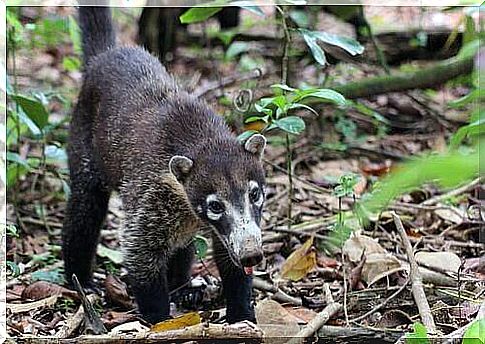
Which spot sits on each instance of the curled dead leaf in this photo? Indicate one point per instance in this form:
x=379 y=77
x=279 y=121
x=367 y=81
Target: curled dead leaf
x=300 y=262
x=116 y=292
x=42 y=289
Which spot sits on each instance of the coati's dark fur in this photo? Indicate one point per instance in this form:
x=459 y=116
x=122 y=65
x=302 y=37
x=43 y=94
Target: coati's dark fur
x=130 y=120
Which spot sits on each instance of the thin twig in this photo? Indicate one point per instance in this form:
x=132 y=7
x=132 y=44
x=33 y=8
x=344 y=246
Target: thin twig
x=416 y=280
x=317 y=322
x=452 y=193
x=382 y=304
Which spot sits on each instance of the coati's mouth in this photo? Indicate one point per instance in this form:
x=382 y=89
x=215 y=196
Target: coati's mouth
x=248 y=257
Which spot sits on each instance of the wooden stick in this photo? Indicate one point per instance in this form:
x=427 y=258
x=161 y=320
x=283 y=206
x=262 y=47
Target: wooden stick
x=416 y=280
x=278 y=294
x=75 y=321
x=452 y=193
x=93 y=322
x=319 y=320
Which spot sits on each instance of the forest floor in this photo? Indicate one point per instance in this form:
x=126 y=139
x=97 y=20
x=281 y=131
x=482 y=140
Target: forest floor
x=367 y=274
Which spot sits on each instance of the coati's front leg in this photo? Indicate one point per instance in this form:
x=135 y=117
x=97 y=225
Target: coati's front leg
x=237 y=287
x=148 y=280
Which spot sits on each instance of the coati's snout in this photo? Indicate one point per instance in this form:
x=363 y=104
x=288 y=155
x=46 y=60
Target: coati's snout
x=226 y=190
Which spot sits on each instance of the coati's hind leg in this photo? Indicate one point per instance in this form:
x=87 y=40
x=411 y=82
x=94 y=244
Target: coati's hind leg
x=86 y=208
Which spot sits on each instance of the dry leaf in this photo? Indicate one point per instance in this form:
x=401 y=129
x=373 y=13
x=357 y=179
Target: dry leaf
x=112 y=319
x=451 y=214
x=116 y=292
x=186 y=320
x=357 y=244
x=300 y=262
x=379 y=265
x=302 y=314
x=442 y=260
x=42 y=289
x=27 y=307
x=275 y=320
x=378 y=262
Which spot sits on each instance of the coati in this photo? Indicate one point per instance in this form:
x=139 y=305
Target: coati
x=177 y=167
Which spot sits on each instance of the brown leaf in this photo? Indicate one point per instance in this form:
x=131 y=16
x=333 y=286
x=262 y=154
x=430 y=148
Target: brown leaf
x=186 y=320
x=326 y=262
x=42 y=289
x=275 y=320
x=302 y=314
x=112 y=319
x=116 y=292
x=300 y=262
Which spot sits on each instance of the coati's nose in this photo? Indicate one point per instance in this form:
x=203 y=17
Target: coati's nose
x=251 y=258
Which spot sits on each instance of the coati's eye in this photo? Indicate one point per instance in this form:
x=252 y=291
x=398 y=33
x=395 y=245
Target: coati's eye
x=215 y=207
x=254 y=194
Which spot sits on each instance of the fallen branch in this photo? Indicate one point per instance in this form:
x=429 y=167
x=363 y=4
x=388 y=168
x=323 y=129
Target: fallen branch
x=416 y=280
x=205 y=331
x=420 y=79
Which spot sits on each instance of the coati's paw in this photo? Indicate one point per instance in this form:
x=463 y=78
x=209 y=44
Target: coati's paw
x=154 y=318
x=190 y=298
x=233 y=317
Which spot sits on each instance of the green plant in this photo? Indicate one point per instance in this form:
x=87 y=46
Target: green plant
x=475 y=333
x=418 y=336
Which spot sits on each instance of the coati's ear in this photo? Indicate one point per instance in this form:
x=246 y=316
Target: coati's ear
x=256 y=144
x=180 y=166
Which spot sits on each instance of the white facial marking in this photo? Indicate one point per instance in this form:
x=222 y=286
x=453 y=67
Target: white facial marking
x=254 y=185
x=244 y=226
x=211 y=215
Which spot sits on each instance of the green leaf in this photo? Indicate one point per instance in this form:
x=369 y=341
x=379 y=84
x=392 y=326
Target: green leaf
x=75 y=35
x=249 y=6
x=34 y=109
x=15 y=157
x=291 y=124
x=13 y=267
x=418 y=336
x=315 y=49
x=71 y=63
x=447 y=170
x=243 y=137
x=283 y=87
x=14 y=172
x=350 y=45
x=467 y=99
x=302 y=106
x=34 y=129
x=328 y=95
x=54 y=276
x=55 y=154
x=236 y=48
x=256 y=118
x=198 y=14
x=113 y=255
x=201 y=246
x=475 y=333
x=300 y=18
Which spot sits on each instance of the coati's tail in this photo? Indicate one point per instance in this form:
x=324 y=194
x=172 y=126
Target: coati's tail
x=97 y=31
